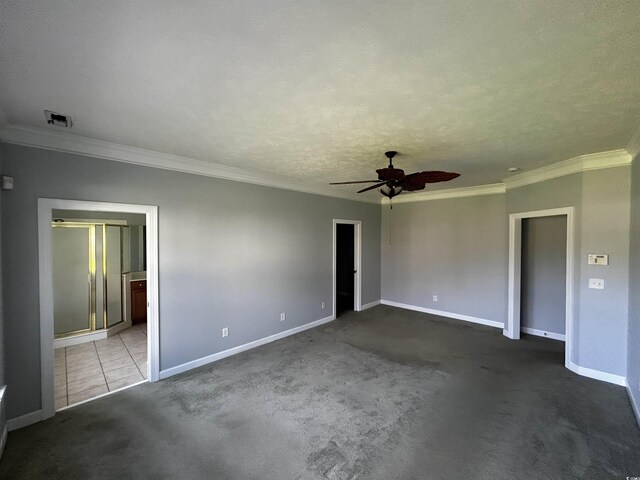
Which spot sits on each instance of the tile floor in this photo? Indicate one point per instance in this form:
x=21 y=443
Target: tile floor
x=91 y=369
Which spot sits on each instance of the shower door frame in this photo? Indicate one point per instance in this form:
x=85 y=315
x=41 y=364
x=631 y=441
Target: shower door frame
x=47 y=355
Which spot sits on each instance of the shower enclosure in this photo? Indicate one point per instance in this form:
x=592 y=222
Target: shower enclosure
x=89 y=260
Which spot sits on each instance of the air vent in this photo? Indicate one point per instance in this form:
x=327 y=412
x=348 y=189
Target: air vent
x=58 y=119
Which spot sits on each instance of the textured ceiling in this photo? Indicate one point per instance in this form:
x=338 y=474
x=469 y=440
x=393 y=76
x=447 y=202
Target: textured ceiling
x=317 y=91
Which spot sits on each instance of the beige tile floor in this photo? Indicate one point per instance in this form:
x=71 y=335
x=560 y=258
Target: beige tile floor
x=91 y=369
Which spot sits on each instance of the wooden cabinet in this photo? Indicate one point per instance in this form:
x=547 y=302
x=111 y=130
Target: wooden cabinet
x=138 y=301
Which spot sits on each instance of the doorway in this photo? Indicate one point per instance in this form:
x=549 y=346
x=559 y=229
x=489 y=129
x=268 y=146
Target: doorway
x=88 y=333
x=515 y=301
x=346 y=266
x=100 y=339
x=543 y=283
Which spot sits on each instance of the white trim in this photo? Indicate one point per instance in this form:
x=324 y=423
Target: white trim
x=543 y=333
x=369 y=305
x=633 y=147
x=103 y=395
x=582 y=163
x=441 y=313
x=24 y=420
x=598 y=375
x=513 y=326
x=3 y=409
x=79 y=339
x=491 y=189
x=3 y=440
x=634 y=402
x=45 y=208
x=91 y=336
x=90 y=147
x=169 y=372
x=357 y=259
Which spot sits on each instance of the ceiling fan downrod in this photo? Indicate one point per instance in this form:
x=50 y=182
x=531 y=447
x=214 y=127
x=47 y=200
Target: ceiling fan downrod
x=390 y=154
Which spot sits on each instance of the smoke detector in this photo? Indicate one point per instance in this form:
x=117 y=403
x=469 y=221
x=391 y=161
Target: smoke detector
x=58 y=119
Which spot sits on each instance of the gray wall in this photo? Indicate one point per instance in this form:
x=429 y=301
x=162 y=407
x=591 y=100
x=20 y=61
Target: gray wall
x=457 y=249
x=131 y=218
x=454 y=248
x=633 y=351
x=602 y=330
x=544 y=273
x=3 y=414
x=601 y=201
x=231 y=254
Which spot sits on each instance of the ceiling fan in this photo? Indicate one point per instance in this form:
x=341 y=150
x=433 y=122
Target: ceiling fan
x=393 y=180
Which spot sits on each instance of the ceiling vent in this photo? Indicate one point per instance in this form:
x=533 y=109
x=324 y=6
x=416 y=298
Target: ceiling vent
x=58 y=119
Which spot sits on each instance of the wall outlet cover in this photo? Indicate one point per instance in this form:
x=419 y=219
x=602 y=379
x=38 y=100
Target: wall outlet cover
x=596 y=283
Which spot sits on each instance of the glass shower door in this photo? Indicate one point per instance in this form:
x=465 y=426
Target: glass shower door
x=73 y=279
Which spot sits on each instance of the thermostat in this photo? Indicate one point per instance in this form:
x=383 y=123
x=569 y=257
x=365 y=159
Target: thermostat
x=598 y=259
x=7 y=182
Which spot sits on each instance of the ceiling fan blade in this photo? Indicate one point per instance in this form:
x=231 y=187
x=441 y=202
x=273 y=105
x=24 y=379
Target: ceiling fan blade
x=357 y=181
x=433 y=176
x=372 y=187
x=390 y=174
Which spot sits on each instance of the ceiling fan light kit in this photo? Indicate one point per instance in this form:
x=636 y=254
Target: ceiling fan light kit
x=393 y=181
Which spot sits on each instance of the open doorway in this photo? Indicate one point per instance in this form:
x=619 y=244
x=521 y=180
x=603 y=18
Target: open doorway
x=529 y=239
x=346 y=266
x=543 y=276
x=99 y=303
x=98 y=299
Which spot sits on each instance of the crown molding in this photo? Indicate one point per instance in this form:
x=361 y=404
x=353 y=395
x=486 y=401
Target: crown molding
x=491 y=189
x=633 y=147
x=64 y=142
x=582 y=163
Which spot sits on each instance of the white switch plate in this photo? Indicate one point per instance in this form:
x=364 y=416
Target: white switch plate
x=323 y=305
x=225 y=332
x=283 y=317
x=597 y=259
x=435 y=298
x=597 y=283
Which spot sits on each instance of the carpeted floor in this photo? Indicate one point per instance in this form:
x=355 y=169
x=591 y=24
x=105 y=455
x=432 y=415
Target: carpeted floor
x=382 y=394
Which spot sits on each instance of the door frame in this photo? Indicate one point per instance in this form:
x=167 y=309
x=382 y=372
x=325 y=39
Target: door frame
x=512 y=329
x=47 y=356
x=357 y=256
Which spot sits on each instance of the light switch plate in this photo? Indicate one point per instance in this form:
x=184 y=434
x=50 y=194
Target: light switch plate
x=597 y=283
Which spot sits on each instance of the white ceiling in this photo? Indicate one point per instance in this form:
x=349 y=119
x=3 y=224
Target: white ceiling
x=317 y=91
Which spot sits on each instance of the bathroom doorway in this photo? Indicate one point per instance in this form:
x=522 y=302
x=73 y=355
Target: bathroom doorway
x=98 y=268
x=98 y=299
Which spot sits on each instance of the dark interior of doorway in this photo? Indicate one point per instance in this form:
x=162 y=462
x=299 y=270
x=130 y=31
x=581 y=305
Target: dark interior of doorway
x=344 y=268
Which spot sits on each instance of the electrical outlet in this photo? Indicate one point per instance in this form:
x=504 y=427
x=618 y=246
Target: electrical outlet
x=435 y=298
x=597 y=283
x=225 y=332
x=283 y=317
x=324 y=305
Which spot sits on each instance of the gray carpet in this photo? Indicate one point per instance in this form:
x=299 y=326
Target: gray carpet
x=383 y=394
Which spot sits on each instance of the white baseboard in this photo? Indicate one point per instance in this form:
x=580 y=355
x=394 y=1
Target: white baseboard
x=635 y=404
x=369 y=305
x=241 y=348
x=457 y=316
x=79 y=339
x=24 y=420
x=543 y=333
x=597 y=374
x=3 y=440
